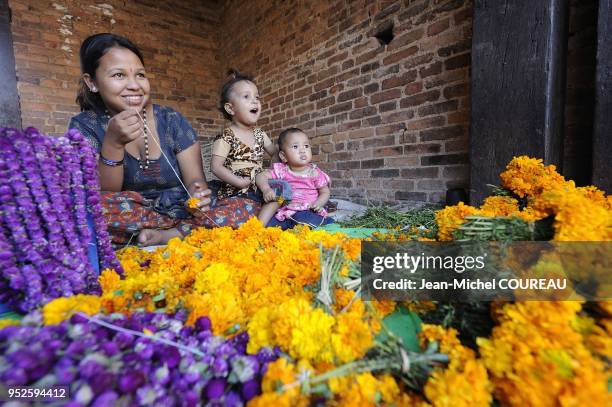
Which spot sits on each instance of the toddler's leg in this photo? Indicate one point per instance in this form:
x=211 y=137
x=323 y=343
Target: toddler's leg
x=267 y=212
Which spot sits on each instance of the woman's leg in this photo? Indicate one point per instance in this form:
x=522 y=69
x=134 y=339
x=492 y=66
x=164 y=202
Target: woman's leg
x=127 y=213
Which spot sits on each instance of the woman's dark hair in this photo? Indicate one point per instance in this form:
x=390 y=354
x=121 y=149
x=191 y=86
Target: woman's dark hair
x=285 y=133
x=92 y=49
x=233 y=78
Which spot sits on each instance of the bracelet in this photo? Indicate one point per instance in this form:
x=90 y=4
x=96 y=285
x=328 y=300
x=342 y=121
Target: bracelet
x=110 y=163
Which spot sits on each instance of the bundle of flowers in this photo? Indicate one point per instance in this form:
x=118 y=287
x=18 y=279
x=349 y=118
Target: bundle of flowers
x=144 y=359
x=48 y=189
x=535 y=192
x=546 y=354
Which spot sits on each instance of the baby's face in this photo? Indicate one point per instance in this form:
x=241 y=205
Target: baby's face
x=244 y=98
x=296 y=150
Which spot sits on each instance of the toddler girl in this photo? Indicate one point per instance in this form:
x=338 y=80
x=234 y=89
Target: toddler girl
x=237 y=154
x=309 y=185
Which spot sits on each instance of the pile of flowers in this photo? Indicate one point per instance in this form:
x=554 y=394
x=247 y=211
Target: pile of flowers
x=273 y=317
x=48 y=189
x=143 y=359
x=546 y=354
x=535 y=192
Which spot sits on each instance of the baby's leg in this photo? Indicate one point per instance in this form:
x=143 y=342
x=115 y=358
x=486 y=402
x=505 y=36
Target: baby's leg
x=267 y=211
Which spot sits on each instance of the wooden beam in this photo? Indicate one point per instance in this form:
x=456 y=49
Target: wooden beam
x=602 y=136
x=517 y=86
x=10 y=114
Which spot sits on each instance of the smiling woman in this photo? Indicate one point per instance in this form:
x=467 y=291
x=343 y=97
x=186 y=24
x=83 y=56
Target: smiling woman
x=149 y=157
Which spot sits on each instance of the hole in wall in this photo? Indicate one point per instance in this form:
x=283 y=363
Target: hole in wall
x=384 y=34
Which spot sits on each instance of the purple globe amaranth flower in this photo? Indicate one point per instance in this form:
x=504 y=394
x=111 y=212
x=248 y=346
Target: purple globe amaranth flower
x=109 y=348
x=131 y=381
x=105 y=399
x=15 y=377
x=203 y=324
x=250 y=389
x=220 y=367
x=170 y=356
x=215 y=389
x=101 y=382
x=190 y=398
x=266 y=354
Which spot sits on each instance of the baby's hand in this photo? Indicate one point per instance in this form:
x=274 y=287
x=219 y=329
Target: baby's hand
x=269 y=195
x=316 y=207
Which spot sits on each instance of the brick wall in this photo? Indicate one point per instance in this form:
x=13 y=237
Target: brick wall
x=388 y=122
x=178 y=40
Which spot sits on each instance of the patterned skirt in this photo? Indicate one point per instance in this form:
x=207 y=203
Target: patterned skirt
x=128 y=212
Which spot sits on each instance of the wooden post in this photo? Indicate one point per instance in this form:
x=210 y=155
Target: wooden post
x=602 y=137
x=517 y=86
x=10 y=114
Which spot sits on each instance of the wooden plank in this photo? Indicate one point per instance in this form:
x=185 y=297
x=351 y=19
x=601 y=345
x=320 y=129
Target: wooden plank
x=517 y=86
x=10 y=114
x=602 y=136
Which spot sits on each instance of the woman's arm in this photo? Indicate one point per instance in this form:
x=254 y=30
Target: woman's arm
x=123 y=128
x=225 y=174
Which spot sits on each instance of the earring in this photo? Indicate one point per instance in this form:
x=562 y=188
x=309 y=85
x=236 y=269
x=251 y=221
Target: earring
x=94 y=89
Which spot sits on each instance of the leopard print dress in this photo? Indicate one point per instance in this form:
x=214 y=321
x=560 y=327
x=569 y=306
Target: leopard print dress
x=241 y=153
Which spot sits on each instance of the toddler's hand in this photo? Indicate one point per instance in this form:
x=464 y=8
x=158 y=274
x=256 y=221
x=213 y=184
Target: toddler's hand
x=316 y=207
x=269 y=195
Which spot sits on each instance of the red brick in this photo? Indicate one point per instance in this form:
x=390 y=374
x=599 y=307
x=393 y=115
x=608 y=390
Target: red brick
x=384 y=96
x=420 y=98
x=400 y=80
x=400 y=55
x=438 y=27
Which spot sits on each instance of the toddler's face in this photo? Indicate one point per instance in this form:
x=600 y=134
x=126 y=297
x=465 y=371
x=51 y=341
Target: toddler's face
x=296 y=150
x=245 y=103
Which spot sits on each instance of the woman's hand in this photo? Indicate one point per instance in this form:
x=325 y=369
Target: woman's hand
x=199 y=190
x=124 y=128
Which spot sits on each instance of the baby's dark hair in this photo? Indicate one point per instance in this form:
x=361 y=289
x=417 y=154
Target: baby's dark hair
x=285 y=133
x=233 y=78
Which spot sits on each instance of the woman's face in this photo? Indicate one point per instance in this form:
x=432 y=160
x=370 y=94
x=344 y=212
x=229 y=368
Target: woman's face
x=122 y=81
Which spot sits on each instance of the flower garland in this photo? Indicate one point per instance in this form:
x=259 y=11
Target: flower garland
x=47 y=188
x=144 y=359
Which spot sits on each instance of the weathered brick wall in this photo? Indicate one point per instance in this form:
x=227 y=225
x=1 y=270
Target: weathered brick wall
x=179 y=41
x=388 y=122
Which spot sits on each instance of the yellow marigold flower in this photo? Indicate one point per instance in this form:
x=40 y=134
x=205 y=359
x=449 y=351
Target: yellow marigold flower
x=450 y=218
x=527 y=176
x=456 y=387
x=109 y=280
x=351 y=338
x=192 y=203
x=63 y=308
x=495 y=206
x=280 y=373
x=536 y=346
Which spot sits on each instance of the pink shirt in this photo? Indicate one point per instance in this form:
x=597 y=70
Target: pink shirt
x=304 y=188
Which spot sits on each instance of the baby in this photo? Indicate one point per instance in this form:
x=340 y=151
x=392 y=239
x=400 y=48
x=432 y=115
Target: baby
x=309 y=185
x=237 y=155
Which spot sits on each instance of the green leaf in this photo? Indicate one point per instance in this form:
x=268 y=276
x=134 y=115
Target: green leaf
x=405 y=325
x=160 y=296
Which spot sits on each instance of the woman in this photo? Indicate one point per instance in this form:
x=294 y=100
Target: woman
x=149 y=156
